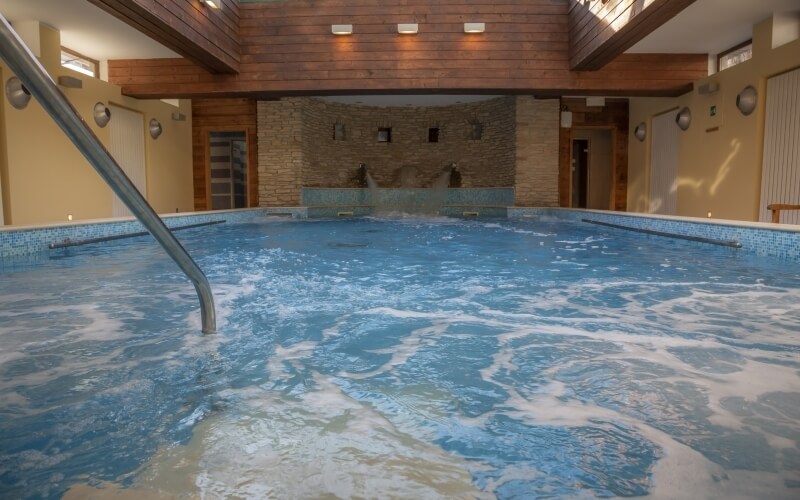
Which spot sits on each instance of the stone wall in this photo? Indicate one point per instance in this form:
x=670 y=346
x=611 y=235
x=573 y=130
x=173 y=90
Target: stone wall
x=518 y=146
x=280 y=152
x=537 y=132
x=484 y=162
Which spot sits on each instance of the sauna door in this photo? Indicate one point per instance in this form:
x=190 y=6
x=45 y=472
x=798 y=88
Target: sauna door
x=228 y=169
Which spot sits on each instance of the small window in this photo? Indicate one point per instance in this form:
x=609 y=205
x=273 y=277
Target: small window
x=76 y=62
x=735 y=55
x=433 y=134
x=338 y=132
x=476 y=132
x=385 y=134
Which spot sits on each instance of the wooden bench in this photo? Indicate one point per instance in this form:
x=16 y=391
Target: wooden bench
x=776 y=210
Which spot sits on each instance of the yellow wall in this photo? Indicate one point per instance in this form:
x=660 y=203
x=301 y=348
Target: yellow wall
x=45 y=176
x=718 y=170
x=169 y=159
x=3 y=169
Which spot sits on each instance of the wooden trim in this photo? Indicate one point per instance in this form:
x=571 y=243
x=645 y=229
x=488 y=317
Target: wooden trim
x=222 y=115
x=614 y=116
x=252 y=160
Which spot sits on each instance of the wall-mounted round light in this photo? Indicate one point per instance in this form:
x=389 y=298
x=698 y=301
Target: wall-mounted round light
x=684 y=118
x=640 y=132
x=155 y=128
x=746 y=100
x=17 y=94
x=102 y=115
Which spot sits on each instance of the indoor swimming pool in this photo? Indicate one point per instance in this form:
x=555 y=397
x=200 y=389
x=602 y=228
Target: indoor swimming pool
x=402 y=357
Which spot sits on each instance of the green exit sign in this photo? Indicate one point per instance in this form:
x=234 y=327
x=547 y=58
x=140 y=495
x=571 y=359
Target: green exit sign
x=712 y=111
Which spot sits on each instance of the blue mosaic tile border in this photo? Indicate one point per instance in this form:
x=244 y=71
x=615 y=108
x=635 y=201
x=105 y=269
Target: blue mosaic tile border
x=775 y=241
x=15 y=242
x=462 y=197
x=362 y=211
x=781 y=242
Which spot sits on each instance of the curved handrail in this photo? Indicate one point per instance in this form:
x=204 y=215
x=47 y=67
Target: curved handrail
x=36 y=79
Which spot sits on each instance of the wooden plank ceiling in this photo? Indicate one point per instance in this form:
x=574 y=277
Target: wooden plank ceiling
x=287 y=49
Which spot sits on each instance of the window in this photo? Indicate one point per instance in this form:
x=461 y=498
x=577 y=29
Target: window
x=338 y=132
x=385 y=134
x=82 y=64
x=735 y=55
x=433 y=134
x=476 y=131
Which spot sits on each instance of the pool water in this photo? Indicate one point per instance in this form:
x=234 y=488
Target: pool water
x=406 y=357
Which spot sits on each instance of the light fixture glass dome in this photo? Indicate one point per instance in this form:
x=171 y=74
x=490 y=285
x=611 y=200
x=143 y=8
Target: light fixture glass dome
x=684 y=118
x=747 y=99
x=18 y=95
x=155 y=128
x=102 y=115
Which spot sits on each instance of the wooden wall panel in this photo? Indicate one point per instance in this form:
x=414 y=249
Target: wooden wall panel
x=614 y=115
x=287 y=49
x=209 y=37
x=222 y=115
x=601 y=30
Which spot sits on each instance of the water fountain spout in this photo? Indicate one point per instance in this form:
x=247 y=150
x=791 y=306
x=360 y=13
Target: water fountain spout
x=361 y=175
x=455 y=176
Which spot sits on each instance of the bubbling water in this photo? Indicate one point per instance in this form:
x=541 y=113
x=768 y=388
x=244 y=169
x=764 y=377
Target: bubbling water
x=410 y=198
x=502 y=359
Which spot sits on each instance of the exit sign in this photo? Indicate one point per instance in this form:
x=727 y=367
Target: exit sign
x=712 y=111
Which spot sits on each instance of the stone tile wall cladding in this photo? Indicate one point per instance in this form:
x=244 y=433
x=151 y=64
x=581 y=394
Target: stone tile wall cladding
x=518 y=146
x=280 y=152
x=537 y=152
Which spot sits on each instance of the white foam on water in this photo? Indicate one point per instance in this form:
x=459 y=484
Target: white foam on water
x=588 y=239
x=680 y=472
x=315 y=440
x=409 y=345
x=224 y=297
x=512 y=229
x=317 y=444
x=276 y=362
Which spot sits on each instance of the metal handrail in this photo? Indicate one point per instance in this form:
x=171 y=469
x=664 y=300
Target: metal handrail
x=39 y=83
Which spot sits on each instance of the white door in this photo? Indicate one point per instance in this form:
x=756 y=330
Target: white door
x=780 y=173
x=127 y=147
x=664 y=165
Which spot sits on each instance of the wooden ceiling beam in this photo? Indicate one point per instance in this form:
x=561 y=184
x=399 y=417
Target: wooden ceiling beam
x=627 y=75
x=207 y=36
x=601 y=30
